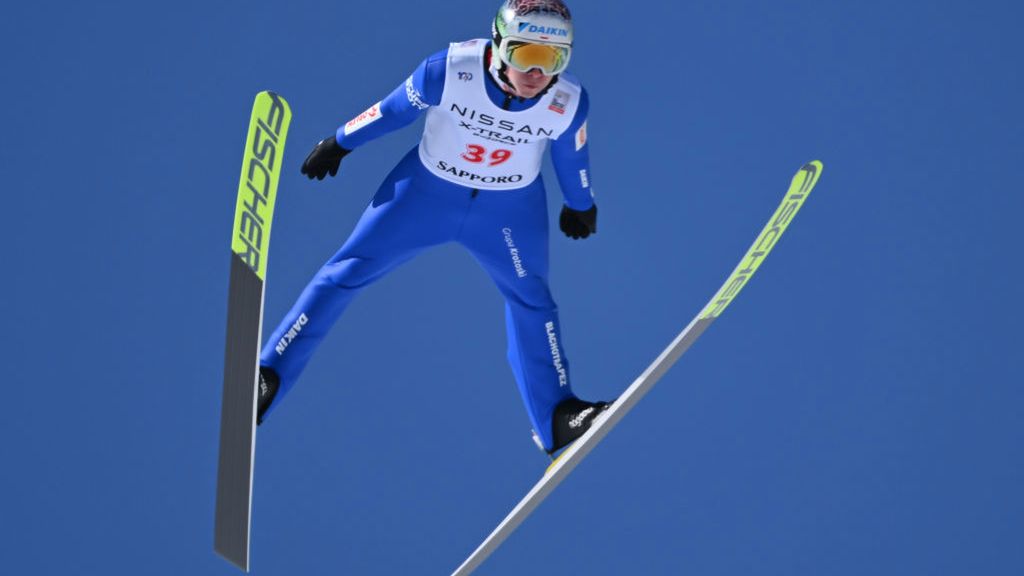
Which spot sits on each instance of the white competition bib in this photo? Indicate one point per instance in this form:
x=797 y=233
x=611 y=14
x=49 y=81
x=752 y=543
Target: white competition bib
x=471 y=141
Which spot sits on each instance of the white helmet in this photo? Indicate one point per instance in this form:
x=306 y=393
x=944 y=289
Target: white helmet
x=532 y=34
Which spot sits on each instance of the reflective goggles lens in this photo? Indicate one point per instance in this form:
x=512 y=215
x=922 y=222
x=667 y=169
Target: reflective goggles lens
x=525 y=56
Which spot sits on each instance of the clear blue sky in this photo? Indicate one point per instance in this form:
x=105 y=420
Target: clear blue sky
x=858 y=410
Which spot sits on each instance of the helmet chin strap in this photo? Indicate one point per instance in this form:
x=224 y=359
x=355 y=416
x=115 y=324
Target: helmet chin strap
x=499 y=71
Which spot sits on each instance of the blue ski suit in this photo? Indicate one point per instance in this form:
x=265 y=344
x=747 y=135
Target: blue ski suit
x=506 y=230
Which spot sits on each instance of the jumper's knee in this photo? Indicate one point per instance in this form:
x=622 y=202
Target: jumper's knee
x=350 y=273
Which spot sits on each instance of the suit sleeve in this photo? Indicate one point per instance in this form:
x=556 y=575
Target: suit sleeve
x=570 y=154
x=401 y=107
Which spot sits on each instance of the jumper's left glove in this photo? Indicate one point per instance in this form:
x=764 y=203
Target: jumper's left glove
x=578 y=223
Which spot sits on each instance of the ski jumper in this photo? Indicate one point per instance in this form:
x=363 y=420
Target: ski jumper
x=473 y=179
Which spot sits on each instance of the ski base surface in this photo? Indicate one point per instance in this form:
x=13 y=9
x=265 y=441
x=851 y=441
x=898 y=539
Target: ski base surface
x=802 y=184
x=257 y=190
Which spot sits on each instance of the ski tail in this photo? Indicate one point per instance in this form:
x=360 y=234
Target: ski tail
x=799 y=188
x=254 y=211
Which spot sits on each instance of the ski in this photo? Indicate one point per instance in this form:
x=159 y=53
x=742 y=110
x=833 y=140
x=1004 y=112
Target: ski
x=254 y=210
x=799 y=188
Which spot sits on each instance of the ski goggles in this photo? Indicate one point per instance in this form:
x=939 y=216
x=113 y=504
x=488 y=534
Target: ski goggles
x=524 y=56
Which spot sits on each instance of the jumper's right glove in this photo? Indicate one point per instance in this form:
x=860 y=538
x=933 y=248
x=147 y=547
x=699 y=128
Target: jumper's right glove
x=325 y=158
x=578 y=223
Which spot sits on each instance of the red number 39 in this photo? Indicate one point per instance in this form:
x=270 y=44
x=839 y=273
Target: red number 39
x=476 y=153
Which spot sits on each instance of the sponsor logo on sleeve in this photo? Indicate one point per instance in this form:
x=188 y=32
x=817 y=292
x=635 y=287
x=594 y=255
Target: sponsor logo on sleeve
x=414 y=96
x=581 y=136
x=465 y=76
x=584 y=179
x=365 y=119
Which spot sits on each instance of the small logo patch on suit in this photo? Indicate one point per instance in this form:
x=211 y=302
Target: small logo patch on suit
x=559 y=102
x=581 y=136
x=370 y=116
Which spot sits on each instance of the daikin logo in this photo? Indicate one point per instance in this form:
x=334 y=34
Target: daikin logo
x=292 y=333
x=550 y=30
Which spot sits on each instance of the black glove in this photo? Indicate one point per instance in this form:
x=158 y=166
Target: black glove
x=578 y=224
x=325 y=158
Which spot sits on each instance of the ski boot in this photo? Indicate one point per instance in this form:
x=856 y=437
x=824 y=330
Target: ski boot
x=267 y=389
x=572 y=418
